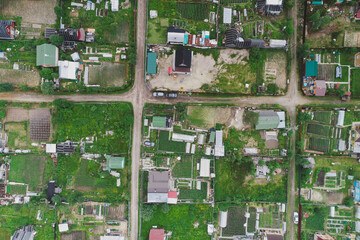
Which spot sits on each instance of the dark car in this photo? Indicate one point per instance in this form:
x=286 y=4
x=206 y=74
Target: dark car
x=158 y=94
x=149 y=144
x=171 y=95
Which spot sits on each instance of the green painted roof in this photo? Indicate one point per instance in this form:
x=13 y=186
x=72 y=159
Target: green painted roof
x=114 y=162
x=311 y=69
x=151 y=63
x=317 y=2
x=47 y=55
x=212 y=137
x=267 y=120
x=159 y=122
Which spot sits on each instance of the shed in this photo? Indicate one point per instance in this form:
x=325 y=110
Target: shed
x=68 y=70
x=151 y=63
x=357 y=191
x=114 y=162
x=227 y=15
x=205 y=167
x=201 y=139
x=75 y=56
x=47 y=55
x=50 y=148
x=341 y=118
x=223 y=219
x=63 y=227
x=311 y=69
x=172 y=197
x=338 y=72
x=332 y=211
x=311 y=163
x=175 y=35
x=157 y=234
x=114 y=5
x=276 y=43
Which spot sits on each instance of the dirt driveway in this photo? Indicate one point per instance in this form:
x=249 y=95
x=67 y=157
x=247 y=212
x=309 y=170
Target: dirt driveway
x=31 y=11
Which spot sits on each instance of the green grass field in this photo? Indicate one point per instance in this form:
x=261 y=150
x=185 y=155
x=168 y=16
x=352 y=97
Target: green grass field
x=34 y=170
x=18 y=134
x=319 y=144
x=344 y=75
x=316 y=219
x=183 y=168
x=318 y=129
x=355 y=82
x=170 y=146
x=236 y=221
x=157 y=32
x=179 y=220
x=121 y=34
x=108 y=74
x=324 y=117
x=194 y=194
x=16 y=189
x=202 y=117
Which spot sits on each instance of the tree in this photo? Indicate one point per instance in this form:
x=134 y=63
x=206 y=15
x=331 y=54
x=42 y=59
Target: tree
x=61 y=103
x=56 y=40
x=131 y=52
x=147 y=212
x=6 y=87
x=181 y=111
x=47 y=88
x=349 y=201
x=56 y=199
x=2 y=113
x=39 y=41
x=340 y=92
x=304 y=117
x=272 y=88
x=76 y=197
x=24 y=87
x=46 y=73
x=250 y=117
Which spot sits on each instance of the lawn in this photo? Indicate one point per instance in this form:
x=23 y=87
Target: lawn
x=35 y=170
x=202 y=117
x=180 y=221
x=319 y=144
x=195 y=11
x=236 y=221
x=347 y=56
x=16 y=189
x=194 y=194
x=355 y=82
x=344 y=75
x=157 y=31
x=316 y=219
x=17 y=132
x=324 y=117
x=108 y=74
x=318 y=129
x=121 y=34
x=183 y=168
x=170 y=146
x=94 y=120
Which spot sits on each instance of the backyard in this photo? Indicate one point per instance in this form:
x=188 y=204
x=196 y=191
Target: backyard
x=108 y=74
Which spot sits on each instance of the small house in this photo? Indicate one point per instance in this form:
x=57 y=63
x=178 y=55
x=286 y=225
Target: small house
x=63 y=227
x=270 y=120
x=320 y=88
x=157 y=234
x=311 y=163
x=24 y=233
x=7 y=30
x=262 y=171
x=172 y=197
x=114 y=162
x=219 y=146
x=183 y=61
x=338 y=72
x=234 y=39
x=68 y=70
x=270 y=7
x=158 y=185
x=311 y=69
x=47 y=55
x=175 y=35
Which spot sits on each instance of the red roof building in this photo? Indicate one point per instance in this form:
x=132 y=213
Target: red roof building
x=358 y=15
x=172 y=197
x=157 y=234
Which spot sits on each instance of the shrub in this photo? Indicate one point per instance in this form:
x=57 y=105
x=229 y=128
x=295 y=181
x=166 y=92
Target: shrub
x=6 y=87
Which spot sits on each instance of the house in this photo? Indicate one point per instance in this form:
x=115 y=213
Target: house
x=182 y=61
x=175 y=35
x=227 y=15
x=157 y=234
x=114 y=162
x=7 y=30
x=65 y=147
x=204 y=167
x=71 y=34
x=75 y=56
x=63 y=227
x=320 y=236
x=115 y=5
x=24 y=233
x=270 y=7
x=161 y=122
x=219 y=146
x=158 y=187
x=151 y=63
x=50 y=148
x=338 y=72
x=311 y=69
x=270 y=120
x=47 y=55
x=319 y=88
x=357 y=57
x=234 y=39
x=68 y=70
x=172 y=197
x=52 y=190
x=49 y=32
x=178 y=137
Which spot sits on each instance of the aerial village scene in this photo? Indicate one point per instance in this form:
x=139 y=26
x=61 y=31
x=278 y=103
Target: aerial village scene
x=179 y=120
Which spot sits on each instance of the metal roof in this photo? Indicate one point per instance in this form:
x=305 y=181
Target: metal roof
x=47 y=55
x=205 y=167
x=114 y=162
x=151 y=63
x=227 y=15
x=311 y=69
x=267 y=120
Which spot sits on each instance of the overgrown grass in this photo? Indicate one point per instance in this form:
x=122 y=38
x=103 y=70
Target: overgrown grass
x=319 y=144
x=194 y=194
x=355 y=82
x=183 y=168
x=170 y=146
x=322 y=117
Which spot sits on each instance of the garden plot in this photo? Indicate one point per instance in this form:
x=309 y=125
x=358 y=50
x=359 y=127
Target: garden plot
x=326 y=72
x=275 y=69
x=238 y=223
x=40 y=124
x=170 y=146
x=108 y=74
x=40 y=11
x=319 y=144
x=324 y=117
x=340 y=226
x=271 y=217
x=206 y=117
x=77 y=235
x=318 y=129
x=352 y=39
x=15 y=114
x=17 y=77
x=18 y=134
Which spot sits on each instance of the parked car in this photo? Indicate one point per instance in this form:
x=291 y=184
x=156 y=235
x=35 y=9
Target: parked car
x=296 y=217
x=171 y=95
x=149 y=144
x=158 y=94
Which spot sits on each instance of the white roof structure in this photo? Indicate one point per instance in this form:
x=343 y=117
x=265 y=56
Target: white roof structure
x=330 y=174
x=153 y=14
x=205 y=167
x=342 y=145
x=114 y=5
x=201 y=139
x=227 y=14
x=73 y=4
x=51 y=148
x=274 y=2
x=75 y=56
x=276 y=43
x=63 y=227
x=172 y=198
x=210 y=228
x=193 y=148
x=208 y=151
x=86 y=76
x=188 y=146
x=175 y=37
x=282 y=119
x=112 y=237
x=157 y=197
x=223 y=219
x=219 y=146
x=67 y=69
x=332 y=211
x=357 y=226
x=251 y=151
x=178 y=137
x=341 y=117
x=357 y=212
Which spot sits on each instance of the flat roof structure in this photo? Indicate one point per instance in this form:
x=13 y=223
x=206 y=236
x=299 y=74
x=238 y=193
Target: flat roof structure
x=204 y=167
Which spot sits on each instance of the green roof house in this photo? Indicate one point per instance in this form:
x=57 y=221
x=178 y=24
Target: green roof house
x=212 y=137
x=114 y=162
x=159 y=122
x=311 y=69
x=47 y=55
x=151 y=63
x=267 y=120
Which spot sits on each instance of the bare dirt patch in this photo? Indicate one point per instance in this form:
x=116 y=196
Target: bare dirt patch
x=352 y=39
x=14 y=114
x=272 y=144
x=40 y=124
x=202 y=117
x=326 y=72
x=31 y=11
x=17 y=77
x=78 y=235
x=233 y=56
x=117 y=213
x=275 y=69
x=223 y=115
x=236 y=120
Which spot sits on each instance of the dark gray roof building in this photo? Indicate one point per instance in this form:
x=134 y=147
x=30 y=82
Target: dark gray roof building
x=234 y=39
x=158 y=187
x=24 y=233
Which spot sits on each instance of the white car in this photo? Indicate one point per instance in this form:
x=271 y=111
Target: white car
x=158 y=94
x=296 y=217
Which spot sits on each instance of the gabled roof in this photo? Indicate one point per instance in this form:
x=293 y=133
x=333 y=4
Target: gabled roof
x=183 y=58
x=267 y=120
x=114 y=162
x=46 y=55
x=157 y=234
x=320 y=89
x=311 y=69
x=6 y=29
